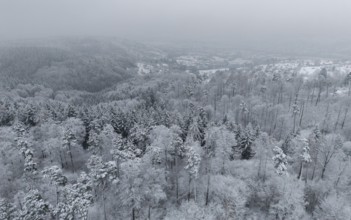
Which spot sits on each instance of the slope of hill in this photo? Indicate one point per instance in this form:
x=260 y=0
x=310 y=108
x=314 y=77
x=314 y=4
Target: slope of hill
x=81 y=64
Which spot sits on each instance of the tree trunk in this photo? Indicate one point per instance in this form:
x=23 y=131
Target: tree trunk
x=223 y=169
x=339 y=176
x=133 y=214
x=177 y=189
x=104 y=201
x=118 y=166
x=104 y=204
x=281 y=94
x=337 y=119
x=208 y=189
x=306 y=173
x=326 y=161
x=300 y=171
x=259 y=167
x=338 y=180
x=57 y=195
x=265 y=167
x=166 y=167
x=71 y=156
x=323 y=171
x=62 y=164
x=176 y=176
x=294 y=123
x=215 y=106
x=312 y=95
x=149 y=213
x=314 y=169
x=195 y=190
x=345 y=115
x=308 y=95
x=189 y=192
x=319 y=95
x=302 y=110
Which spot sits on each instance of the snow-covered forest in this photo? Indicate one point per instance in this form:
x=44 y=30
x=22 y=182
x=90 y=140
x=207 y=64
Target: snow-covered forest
x=110 y=129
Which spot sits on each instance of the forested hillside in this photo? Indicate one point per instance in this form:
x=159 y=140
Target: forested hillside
x=82 y=64
x=100 y=130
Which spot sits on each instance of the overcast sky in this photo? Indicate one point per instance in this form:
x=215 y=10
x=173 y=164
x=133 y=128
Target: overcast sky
x=177 y=19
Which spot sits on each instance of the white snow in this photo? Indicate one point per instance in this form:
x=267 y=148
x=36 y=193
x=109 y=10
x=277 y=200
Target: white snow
x=308 y=71
x=327 y=62
x=212 y=71
x=345 y=69
x=286 y=65
x=239 y=61
x=144 y=68
x=187 y=60
x=343 y=91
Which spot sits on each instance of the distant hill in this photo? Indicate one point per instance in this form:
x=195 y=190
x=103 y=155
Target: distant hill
x=81 y=64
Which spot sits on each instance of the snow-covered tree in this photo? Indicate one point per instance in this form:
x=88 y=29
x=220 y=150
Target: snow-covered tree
x=334 y=207
x=195 y=130
x=295 y=113
x=123 y=150
x=73 y=136
x=193 y=160
x=219 y=143
x=103 y=175
x=34 y=207
x=329 y=150
x=75 y=200
x=315 y=140
x=132 y=186
x=245 y=143
x=54 y=173
x=30 y=162
x=95 y=142
x=102 y=172
x=7 y=210
x=304 y=156
x=280 y=161
x=139 y=136
x=30 y=166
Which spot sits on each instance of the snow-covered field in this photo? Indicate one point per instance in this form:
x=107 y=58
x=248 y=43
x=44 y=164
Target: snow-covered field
x=308 y=71
x=239 y=61
x=286 y=65
x=144 y=68
x=187 y=60
x=212 y=71
x=342 y=91
x=345 y=69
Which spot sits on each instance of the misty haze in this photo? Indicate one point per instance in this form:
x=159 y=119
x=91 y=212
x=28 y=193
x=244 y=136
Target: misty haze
x=175 y=110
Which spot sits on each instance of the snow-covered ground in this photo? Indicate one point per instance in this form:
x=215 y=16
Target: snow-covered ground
x=326 y=62
x=308 y=71
x=187 y=60
x=345 y=69
x=291 y=65
x=144 y=68
x=342 y=91
x=208 y=74
x=239 y=61
x=212 y=71
x=218 y=59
